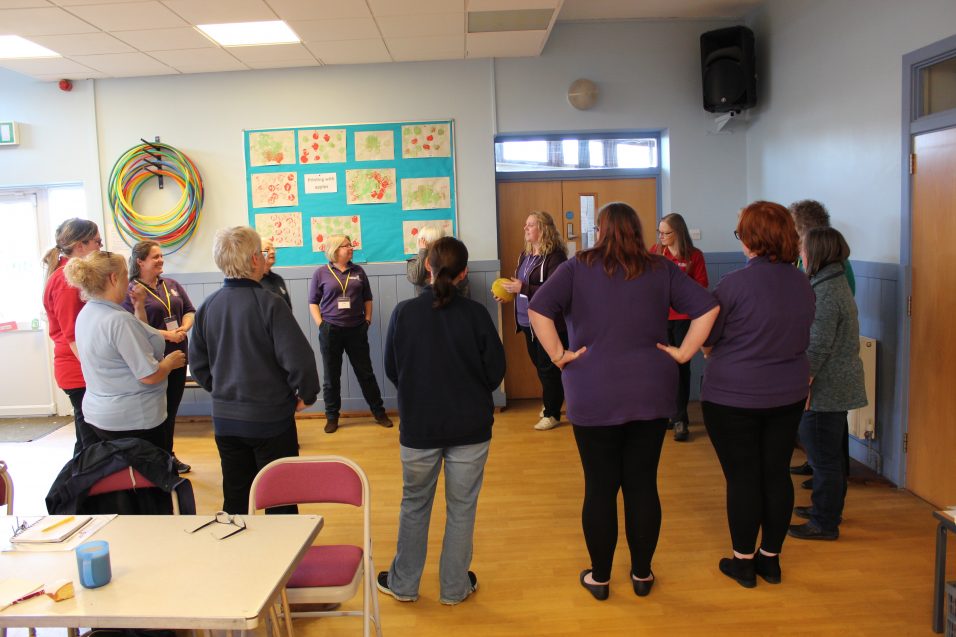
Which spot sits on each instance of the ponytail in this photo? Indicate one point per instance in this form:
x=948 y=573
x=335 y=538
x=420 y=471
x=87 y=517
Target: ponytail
x=68 y=234
x=447 y=258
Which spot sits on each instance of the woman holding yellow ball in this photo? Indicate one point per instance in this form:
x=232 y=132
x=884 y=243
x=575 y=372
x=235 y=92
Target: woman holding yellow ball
x=544 y=251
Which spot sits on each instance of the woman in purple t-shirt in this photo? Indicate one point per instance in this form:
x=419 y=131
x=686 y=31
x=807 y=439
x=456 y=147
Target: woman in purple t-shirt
x=755 y=387
x=619 y=381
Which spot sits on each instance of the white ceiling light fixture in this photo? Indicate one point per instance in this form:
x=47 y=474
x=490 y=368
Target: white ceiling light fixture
x=13 y=47
x=250 y=33
x=582 y=94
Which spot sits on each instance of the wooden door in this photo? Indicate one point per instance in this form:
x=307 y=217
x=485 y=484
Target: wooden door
x=932 y=401
x=563 y=199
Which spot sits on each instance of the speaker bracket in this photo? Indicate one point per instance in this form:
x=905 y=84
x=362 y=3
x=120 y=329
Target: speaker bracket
x=721 y=120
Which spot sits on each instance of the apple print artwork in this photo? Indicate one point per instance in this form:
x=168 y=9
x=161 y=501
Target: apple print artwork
x=322 y=146
x=425 y=140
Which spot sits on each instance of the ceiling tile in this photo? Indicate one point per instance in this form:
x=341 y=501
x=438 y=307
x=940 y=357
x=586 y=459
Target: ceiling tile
x=432 y=24
x=444 y=47
x=51 y=21
x=221 y=11
x=56 y=77
x=129 y=16
x=125 y=64
x=288 y=64
x=23 y=4
x=340 y=29
x=408 y=7
x=505 y=44
x=515 y=5
x=75 y=3
x=47 y=66
x=166 y=39
x=350 y=51
x=82 y=44
x=200 y=60
x=319 y=9
x=256 y=56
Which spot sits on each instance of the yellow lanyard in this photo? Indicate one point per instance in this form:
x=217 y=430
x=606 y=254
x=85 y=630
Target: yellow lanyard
x=168 y=304
x=339 y=281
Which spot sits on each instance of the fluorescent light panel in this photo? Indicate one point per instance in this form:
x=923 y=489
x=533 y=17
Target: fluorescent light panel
x=13 y=47
x=250 y=33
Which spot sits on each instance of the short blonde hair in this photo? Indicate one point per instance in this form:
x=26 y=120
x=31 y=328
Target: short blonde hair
x=91 y=274
x=233 y=249
x=431 y=232
x=333 y=244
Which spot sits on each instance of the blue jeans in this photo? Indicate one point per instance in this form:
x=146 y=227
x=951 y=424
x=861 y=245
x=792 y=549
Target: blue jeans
x=822 y=434
x=464 y=471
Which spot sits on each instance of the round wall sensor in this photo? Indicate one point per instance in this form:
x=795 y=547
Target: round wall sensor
x=582 y=94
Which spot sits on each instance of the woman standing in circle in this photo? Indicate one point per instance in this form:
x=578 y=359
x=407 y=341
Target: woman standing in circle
x=162 y=303
x=62 y=303
x=674 y=242
x=273 y=281
x=755 y=387
x=544 y=251
x=340 y=301
x=122 y=358
x=621 y=387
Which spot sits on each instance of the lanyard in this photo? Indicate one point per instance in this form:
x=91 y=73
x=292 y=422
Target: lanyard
x=168 y=304
x=530 y=265
x=339 y=281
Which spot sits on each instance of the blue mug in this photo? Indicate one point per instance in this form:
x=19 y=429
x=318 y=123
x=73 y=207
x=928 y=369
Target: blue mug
x=93 y=563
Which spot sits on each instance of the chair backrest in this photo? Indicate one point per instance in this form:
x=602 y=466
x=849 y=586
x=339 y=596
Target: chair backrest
x=6 y=488
x=127 y=479
x=308 y=480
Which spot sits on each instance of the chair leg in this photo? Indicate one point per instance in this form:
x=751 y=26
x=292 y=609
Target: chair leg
x=373 y=592
x=287 y=612
x=273 y=622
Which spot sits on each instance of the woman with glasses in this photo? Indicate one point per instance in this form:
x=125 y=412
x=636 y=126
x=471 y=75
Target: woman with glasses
x=674 y=242
x=124 y=361
x=340 y=301
x=163 y=304
x=271 y=280
x=62 y=304
x=755 y=388
x=619 y=383
x=544 y=251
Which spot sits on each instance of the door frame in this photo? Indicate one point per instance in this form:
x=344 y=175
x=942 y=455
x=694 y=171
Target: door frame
x=911 y=126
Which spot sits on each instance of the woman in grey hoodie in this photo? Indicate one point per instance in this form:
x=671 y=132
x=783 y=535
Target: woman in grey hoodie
x=836 y=382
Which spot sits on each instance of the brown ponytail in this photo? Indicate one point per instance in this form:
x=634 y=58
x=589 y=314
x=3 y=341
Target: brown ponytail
x=447 y=258
x=70 y=232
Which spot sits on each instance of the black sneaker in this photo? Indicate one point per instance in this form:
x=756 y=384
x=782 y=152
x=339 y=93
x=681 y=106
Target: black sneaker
x=802 y=512
x=681 y=431
x=802 y=469
x=810 y=531
x=181 y=467
x=381 y=582
x=474 y=586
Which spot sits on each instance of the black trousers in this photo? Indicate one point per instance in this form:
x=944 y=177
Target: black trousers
x=552 y=391
x=621 y=458
x=154 y=435
x=676 y=332
x=85 y=436
x=754 y=448
x=334 y=341
x=176 y=385
x=242 y=458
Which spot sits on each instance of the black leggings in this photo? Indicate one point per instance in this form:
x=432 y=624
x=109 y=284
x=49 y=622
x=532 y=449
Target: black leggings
x=621 y=458
x=754 y=448
x=175 y=387
x=552 y=391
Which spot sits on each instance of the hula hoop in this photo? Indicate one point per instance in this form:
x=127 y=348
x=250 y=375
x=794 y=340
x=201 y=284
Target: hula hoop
x=173 y=228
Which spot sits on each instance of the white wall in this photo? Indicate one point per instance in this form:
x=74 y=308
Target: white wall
x=828 y=124
x=648 y=74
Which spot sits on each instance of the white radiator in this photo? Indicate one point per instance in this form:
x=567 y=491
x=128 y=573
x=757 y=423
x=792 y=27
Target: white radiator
x=863 y=420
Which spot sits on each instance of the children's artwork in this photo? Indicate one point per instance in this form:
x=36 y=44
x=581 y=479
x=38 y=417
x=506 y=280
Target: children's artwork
x=270 y=148
x=410 y=230
x=322 y=146
x=284 y=228
x=426 y=193
x=374 y=145
x=325 y=227
x=370 y=186
x=271 y=190
x=425 y=140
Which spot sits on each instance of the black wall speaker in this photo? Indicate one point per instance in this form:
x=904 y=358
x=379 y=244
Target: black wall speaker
x=728 y=69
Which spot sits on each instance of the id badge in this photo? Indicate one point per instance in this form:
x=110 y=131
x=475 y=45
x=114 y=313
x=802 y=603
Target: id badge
x=344 y=303
x=171 y=323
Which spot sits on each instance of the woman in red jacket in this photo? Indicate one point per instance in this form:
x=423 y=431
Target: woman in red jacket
x=674 y=242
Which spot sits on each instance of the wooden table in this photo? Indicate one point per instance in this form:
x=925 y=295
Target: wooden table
x=164 y=577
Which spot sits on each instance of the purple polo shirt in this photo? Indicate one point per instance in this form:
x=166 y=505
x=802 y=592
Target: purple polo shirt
x=623 y=376
x=325 y=290
x=761 y=337
x=156 y=308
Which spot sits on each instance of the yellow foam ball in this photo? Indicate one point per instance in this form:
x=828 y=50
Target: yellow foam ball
x=498 y=289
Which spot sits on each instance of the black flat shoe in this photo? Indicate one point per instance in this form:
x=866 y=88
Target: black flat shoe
x=642 y=588
x=802 y=469
x=600 y=591
x=810 y=531
x=802 y=512
x=741 y=571
x=767 y=567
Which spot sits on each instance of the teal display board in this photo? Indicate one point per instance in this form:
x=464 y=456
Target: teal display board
x=379 y=184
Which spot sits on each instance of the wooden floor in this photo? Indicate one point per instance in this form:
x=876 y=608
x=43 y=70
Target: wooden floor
x=876 y=580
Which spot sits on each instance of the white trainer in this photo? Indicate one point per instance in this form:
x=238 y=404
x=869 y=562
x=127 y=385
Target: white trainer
x=546 y=422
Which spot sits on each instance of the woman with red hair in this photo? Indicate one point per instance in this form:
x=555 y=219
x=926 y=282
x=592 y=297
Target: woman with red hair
x=755 y=387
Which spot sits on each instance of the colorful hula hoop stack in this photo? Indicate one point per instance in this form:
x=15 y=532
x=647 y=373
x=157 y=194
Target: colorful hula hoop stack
x=171 y=229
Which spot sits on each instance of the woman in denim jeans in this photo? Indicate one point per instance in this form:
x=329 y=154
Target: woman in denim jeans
x=836 y=374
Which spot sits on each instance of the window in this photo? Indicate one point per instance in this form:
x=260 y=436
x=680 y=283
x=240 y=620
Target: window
x=579 y=153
